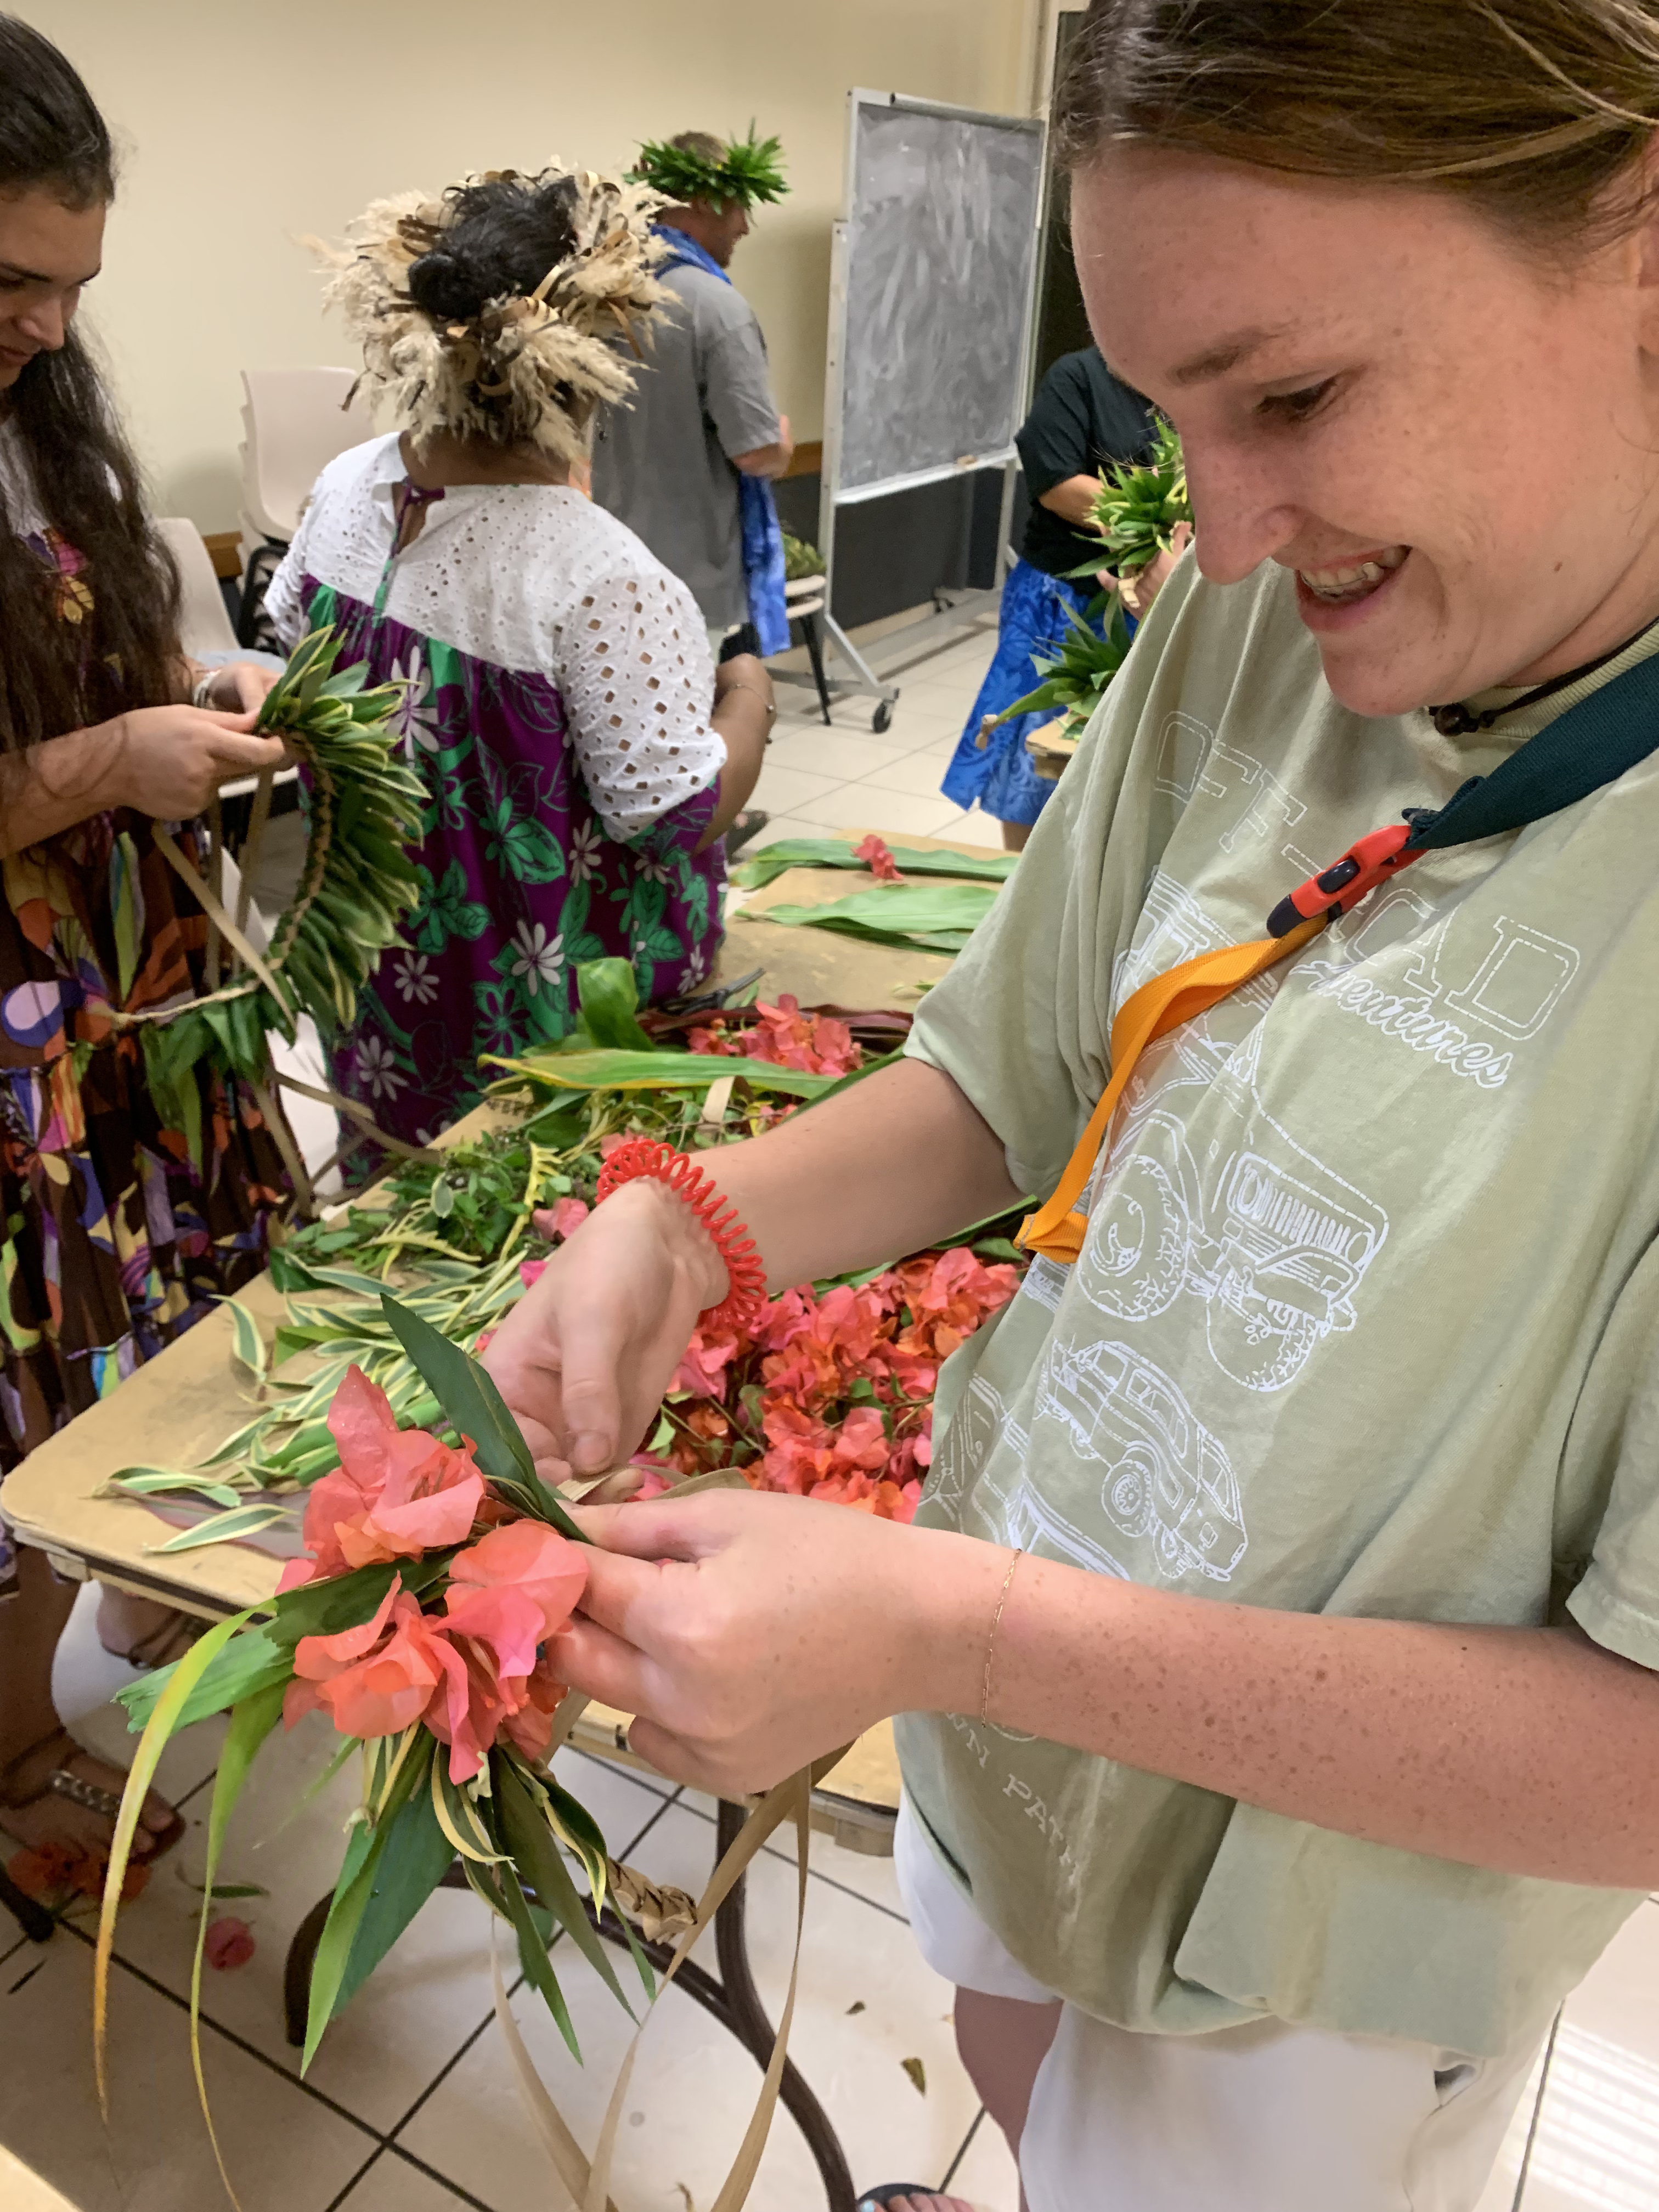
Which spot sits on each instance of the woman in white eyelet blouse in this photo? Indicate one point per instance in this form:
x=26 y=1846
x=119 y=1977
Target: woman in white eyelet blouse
x=560 y=684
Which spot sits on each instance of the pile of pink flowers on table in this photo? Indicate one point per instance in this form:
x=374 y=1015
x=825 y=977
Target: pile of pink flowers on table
x=832 y=1396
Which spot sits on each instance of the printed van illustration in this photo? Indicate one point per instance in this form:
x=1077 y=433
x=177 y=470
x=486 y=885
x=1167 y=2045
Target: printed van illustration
x=1165 y=1478
x=1274 y=1242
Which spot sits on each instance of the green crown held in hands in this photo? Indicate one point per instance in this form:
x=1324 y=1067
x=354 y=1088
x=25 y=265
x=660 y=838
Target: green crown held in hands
x=1138 y=506
x=748 y=172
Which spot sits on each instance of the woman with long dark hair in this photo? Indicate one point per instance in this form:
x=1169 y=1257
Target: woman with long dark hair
x=125 y=1204
x=1277 y=1642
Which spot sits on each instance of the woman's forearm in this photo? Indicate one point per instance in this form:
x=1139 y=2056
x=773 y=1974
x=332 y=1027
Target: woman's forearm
x=52 y=786
x=1532 y=1751
x=893 y=1165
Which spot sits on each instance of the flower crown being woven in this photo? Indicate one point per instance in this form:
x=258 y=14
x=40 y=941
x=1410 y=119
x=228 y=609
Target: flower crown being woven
x=528 y=367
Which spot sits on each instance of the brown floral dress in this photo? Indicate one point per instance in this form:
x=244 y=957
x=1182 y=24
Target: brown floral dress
x=125 y=1206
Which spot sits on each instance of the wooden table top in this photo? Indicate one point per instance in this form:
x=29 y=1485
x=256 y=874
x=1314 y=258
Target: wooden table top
x=176 y=1409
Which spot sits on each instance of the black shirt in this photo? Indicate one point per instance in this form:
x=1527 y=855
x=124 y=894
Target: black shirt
x=1082 y=417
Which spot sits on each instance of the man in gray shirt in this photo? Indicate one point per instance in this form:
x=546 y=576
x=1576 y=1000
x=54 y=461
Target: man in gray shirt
x=668 y=464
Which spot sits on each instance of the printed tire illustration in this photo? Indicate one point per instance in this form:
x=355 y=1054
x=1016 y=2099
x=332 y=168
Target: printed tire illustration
x=1262 y=1346
x=1135 y=1261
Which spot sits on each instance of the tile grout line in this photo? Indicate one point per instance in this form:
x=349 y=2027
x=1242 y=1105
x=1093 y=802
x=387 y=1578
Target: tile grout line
x=456 y=2055
x=229 y=2035
x=368 y=2164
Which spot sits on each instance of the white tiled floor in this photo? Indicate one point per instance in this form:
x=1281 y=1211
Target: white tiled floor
x=410 y=2103
x=850 y=776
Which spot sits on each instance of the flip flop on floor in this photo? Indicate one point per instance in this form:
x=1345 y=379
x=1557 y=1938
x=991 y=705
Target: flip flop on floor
x=913 y=2192
x=748 y=824
x=91 y=1796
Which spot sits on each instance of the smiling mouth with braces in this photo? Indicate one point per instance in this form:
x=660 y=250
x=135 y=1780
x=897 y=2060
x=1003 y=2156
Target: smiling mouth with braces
x=1357 y=580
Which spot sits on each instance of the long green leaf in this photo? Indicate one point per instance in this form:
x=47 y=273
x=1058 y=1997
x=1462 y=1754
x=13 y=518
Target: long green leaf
x=249 y=1664
x=226 y=1528
x=541 y=1867
x=249 y=1344
x=250 y=1722
x=162 y=1482
x=352 y=1892
x=532 y=1953
x=763 y=867
x=187 y=1672
x=656 y=1070
x=903 y=907
x=476 y=1406
x=415 y=1859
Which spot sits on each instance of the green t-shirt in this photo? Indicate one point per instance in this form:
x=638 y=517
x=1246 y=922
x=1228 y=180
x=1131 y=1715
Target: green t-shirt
x=1365 y=1323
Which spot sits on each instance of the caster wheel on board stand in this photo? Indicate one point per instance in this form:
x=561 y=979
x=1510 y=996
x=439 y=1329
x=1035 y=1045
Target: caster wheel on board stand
x=882 y=718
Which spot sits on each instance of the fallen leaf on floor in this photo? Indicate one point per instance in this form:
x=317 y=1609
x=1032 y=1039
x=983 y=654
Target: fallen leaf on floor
x=229 y=1943
x=918 y=2073
x=857 y=2006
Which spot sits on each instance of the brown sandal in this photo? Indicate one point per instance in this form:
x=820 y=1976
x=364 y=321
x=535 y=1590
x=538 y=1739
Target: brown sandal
x=90 y=1796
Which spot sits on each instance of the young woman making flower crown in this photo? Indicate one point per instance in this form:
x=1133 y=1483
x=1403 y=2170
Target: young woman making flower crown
x=1277 y=1640
x=123 y=1212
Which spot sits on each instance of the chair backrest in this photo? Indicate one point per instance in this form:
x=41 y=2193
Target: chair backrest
x=205 y=627
x=296 y=421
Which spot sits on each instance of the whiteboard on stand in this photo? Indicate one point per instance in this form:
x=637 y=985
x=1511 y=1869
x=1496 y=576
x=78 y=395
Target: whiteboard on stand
x=935 y=282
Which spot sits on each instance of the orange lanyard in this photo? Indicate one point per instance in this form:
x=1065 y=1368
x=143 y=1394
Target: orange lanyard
x=1057 y=1229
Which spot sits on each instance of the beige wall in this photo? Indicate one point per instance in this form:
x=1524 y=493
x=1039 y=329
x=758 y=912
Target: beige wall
x=247 y=126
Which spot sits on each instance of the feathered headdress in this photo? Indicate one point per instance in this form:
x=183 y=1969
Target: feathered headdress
x=527 y=367
x=692 y=168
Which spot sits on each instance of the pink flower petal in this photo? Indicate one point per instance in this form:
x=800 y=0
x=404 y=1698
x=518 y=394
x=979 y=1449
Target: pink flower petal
x=229 y=1943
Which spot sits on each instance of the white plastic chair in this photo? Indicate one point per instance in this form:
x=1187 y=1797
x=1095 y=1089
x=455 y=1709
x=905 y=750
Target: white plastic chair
x=296 y=421
x=204 y=628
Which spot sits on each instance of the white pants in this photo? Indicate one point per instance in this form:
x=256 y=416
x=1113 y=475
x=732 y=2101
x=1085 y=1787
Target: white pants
x=1260 y=2118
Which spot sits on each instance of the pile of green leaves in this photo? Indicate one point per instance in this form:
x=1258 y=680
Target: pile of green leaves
x=1075 y=678
x=512 y=1827
x=919 y=917
x=750 y=171
x=1139 y=504
x=772 y=860
x=451 y=1233
x=358 y=882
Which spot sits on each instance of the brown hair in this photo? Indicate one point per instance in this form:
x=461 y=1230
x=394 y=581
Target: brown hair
x=57 y=674
x=1530 y=109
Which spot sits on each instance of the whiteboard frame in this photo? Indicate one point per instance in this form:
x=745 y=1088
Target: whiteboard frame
x=831 y=496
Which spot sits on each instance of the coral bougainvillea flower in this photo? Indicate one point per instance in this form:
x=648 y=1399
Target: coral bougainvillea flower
x=529 y=1557
x=830 y=1397
x=878 y=857
x=375 y=1679
x=397 y=1494
x=783 y=1037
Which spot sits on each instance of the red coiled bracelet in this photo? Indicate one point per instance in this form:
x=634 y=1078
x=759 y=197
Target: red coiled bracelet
x=642 y=1156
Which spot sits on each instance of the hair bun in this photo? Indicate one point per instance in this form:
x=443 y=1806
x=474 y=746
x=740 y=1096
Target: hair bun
x=445 y=286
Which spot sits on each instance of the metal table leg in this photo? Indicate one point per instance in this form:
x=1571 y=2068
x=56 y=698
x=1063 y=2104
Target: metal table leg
x=733 y=2000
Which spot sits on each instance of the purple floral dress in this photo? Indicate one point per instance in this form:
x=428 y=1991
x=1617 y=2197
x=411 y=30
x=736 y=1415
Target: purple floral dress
x=559 y=683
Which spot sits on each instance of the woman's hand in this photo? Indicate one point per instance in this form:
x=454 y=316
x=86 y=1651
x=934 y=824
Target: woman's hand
x=1140 y=590
x=750 y=1634
x=584 y=1358
x=169 y=762
x=240 y=687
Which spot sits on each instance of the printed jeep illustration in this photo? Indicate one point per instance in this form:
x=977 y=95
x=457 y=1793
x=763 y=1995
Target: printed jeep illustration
x=1167 y=1480
x=1274 y=1242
